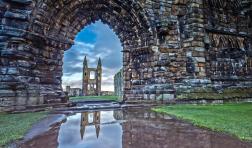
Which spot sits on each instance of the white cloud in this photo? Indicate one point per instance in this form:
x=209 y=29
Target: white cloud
x=83 y=44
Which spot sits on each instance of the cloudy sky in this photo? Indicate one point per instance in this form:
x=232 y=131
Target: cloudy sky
x=94 y=41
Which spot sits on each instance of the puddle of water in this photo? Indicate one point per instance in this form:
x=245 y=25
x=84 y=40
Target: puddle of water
x=135 y=128
x=91 y=130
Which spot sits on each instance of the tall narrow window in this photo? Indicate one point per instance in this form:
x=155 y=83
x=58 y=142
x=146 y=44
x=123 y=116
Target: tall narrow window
x=92 y=75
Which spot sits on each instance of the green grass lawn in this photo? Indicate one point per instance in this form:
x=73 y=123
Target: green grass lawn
x=14 y=126
x=235 y=119
x=113 y=98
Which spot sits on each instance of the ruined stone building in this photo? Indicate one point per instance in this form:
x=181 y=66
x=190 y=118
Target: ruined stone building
x=92 y=77
x=118 y=84
x=73 y=92
x=172 y=49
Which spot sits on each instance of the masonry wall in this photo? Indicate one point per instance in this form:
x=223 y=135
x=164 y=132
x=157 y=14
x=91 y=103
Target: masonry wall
x=119 y=84
x=173 y=49
x=73 y=92
x=202 y=52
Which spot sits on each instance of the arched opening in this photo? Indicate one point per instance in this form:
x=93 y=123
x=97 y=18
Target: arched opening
x=92 y=75
x=80 y=68
x=60 y=22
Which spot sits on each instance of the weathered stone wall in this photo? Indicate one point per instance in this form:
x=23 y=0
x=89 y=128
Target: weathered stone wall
x=183 y=62
x=119 y=84
x=227 y=52
x=73 y=92
x=172 y=48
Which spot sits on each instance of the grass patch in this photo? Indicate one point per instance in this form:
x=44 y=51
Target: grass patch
x=112 y=98
x=235 y=119
x=14 y=126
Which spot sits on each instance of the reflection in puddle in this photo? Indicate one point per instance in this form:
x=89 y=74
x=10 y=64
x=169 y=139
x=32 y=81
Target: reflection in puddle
x=91 y=130
x=85 y=121
x=130 y=129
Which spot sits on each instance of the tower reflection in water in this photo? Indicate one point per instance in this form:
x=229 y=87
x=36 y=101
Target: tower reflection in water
x=90 y=119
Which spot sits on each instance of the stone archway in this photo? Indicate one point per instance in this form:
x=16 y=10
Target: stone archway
x=171 y=48
x=64 y=20
x=48 y=28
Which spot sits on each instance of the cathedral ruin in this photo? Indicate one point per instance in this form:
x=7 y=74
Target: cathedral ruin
x=172 y=49
x=91 y=84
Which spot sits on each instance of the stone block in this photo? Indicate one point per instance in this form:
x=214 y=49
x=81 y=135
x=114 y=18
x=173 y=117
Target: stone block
x=7 y=93
x=7 y=101
x=21 y=100
x=26 y=2
x=200 y=59
x=152 y=97
x=168 y=96
x=33 y=100
x=159 y=97
x=146 y=97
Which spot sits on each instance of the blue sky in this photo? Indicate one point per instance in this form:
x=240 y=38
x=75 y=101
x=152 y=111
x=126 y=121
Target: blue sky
x=94 y=41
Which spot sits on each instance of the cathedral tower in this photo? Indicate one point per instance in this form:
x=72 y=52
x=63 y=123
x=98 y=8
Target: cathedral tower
x=99 y=76
x=85 y=77
x=91 y=84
